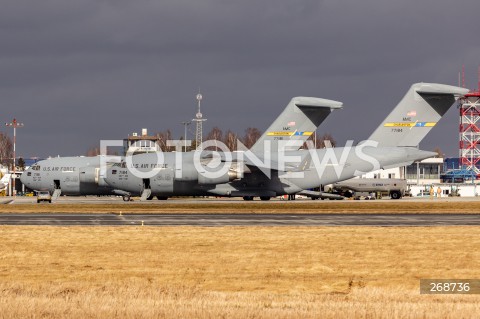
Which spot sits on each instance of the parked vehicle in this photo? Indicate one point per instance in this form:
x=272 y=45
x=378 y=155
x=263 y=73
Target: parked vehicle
x=44 y=196
x=395 y=188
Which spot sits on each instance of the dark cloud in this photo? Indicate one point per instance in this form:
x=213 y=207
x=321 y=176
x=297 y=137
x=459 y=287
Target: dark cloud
x=76 y=72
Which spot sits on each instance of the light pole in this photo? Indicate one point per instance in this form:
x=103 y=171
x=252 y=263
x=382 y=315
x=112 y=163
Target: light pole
x=185 y=124
x=14 y=124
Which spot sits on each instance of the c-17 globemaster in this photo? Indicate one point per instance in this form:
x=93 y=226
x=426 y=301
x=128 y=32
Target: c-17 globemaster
x=272 y=167
x=76 y=176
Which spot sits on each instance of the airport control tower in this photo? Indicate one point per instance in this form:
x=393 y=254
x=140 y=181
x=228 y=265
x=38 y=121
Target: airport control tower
x=469 y=146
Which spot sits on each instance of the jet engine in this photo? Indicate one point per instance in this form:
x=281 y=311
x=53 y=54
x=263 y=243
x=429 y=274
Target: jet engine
x=189 y=173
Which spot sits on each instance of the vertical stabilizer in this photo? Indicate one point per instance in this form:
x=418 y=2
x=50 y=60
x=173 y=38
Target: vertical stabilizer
x=298 y=121
x=416 y=114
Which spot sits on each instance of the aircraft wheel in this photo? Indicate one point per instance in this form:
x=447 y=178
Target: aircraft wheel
x=150 y=197
x=247 y=197
x=265 y=197
x=162 y=197
x=395 y=195
x=126 y=198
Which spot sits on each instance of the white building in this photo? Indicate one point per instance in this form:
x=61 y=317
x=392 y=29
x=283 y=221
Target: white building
x=423 y=175
x=425 y=172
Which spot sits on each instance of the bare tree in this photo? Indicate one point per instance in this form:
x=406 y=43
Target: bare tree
x=325 y=137
x=193 y=145
x=230 y=139
x=6 y=149
x=93 y=151
x=215 y=134
x=163 y=137
x=252 y=134
x=320 y=140
x=439 y=152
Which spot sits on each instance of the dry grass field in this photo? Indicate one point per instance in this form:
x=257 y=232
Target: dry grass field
x=234 y=272
x=240 y=207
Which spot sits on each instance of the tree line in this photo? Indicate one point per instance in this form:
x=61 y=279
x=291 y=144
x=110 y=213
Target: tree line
x=6 y=149
x=229 y=138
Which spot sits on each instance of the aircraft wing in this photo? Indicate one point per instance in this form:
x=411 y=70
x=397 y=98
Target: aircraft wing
x=260 y=162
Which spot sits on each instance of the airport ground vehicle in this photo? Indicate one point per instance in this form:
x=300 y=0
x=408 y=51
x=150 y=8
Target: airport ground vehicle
x=44 y=196
x=393 y=187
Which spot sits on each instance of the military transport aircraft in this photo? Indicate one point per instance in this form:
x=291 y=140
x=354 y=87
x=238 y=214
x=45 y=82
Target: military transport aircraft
x=69 y=176
x=82 y=175
x=275 y=166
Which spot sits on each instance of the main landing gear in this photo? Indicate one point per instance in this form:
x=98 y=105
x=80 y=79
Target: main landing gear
x=252 y=197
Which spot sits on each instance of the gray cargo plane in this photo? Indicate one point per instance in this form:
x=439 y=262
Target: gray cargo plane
x=69 y=176
x=274 y=167
x=77 y=176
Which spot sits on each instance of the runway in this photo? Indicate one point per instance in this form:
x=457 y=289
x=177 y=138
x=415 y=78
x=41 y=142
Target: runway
x=211 y=220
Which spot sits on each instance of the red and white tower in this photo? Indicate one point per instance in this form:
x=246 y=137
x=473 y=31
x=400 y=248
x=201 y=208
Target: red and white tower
x=469 y=150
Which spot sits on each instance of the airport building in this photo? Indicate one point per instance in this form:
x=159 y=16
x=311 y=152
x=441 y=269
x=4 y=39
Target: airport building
x=141 y=143
x=431 y=172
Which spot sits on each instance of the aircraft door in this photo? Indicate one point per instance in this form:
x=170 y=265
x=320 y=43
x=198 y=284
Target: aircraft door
x=69 y=183
x=163 y=181
x=146 y=183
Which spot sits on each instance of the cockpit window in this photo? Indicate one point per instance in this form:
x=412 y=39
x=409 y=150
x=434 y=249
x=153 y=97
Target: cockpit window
x=35 y=167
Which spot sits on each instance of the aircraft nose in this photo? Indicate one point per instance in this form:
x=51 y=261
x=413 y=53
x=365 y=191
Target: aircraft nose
x=25 y=178
x=111 y=177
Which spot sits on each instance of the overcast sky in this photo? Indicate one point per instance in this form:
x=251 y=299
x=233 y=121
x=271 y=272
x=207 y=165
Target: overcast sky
x=75 y=72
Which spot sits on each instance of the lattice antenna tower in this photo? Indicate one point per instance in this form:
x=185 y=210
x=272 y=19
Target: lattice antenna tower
x=469 y=132
x=199 y=120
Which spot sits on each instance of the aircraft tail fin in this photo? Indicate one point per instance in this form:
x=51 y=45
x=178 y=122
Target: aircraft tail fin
x=419 y=110
x=298 y=121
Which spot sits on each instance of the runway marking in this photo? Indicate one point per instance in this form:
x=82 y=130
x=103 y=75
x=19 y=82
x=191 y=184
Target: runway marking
x=382 y=220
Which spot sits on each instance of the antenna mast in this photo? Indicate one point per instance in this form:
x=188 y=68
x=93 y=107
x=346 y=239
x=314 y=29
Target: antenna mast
x=199 y=120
